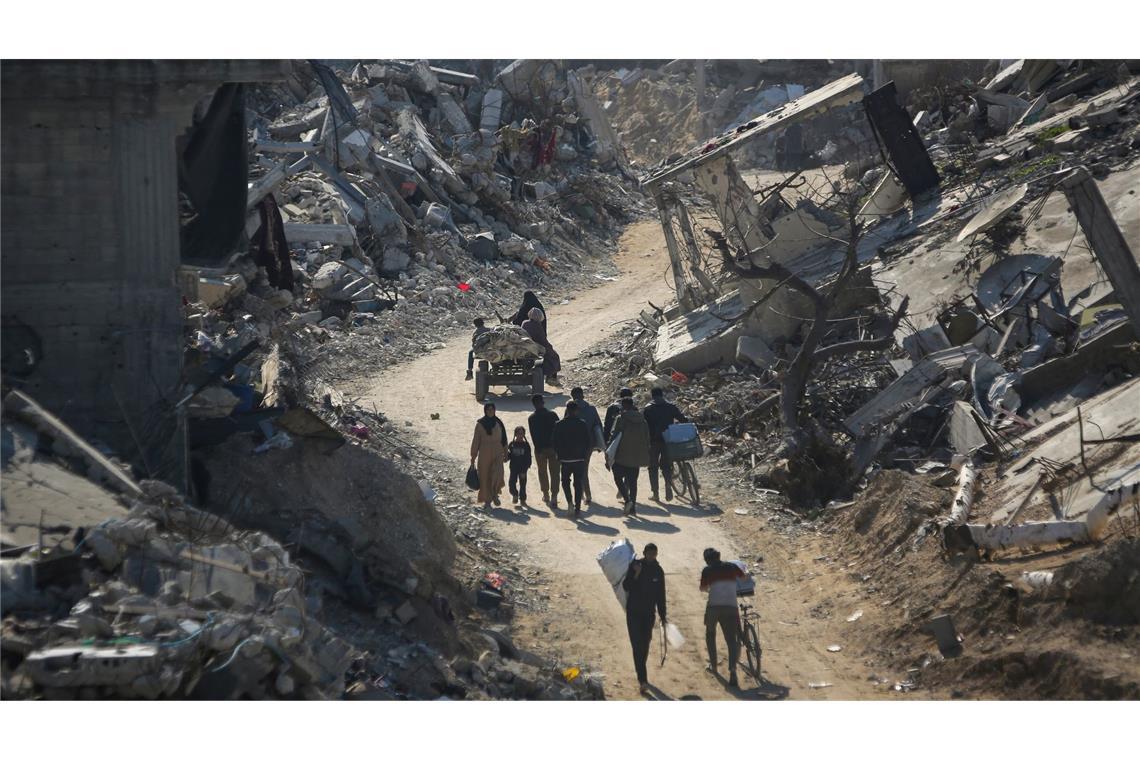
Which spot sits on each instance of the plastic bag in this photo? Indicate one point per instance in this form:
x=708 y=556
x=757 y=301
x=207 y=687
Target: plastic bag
x=473 y=478
x=673 y=636
x=611 y=451
x=680 y=432
x=614 y=561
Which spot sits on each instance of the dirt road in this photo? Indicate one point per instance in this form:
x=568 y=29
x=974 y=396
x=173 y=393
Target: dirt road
x=584 y=622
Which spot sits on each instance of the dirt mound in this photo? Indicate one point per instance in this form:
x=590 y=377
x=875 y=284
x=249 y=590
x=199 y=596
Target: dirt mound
x=1103 y=587
x=352 y=508
x=1052 y=674
x=1015 y=644
x=892 y=510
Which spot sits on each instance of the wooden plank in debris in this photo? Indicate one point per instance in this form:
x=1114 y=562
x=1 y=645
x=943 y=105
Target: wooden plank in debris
x=900 y=140
x=844 y=91
x=335 y=234
x=1105 y=238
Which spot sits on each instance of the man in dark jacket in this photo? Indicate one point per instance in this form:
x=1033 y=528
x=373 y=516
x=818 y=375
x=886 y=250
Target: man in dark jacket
x=660 y=414
x=644 y=583
x=572 y=445
x=588 y=414
x=612 y=412
x=541 y=425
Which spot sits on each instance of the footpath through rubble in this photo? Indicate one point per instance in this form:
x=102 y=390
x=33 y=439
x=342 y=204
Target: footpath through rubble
x=389 y=204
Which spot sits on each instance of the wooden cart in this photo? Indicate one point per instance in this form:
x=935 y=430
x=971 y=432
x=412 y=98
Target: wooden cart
x=526 y=371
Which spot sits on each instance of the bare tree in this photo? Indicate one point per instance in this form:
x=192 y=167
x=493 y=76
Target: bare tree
x=793 y=382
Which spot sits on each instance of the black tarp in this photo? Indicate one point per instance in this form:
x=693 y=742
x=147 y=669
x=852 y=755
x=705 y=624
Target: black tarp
x=899 y=140
x=269 y=247
x=213 y=174
x=338 y=98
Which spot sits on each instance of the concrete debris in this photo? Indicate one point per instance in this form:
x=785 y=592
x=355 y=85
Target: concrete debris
x=994 y=355
x=162 y=600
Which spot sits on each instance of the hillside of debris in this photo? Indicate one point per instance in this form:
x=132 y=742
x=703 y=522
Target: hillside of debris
x=389 y=204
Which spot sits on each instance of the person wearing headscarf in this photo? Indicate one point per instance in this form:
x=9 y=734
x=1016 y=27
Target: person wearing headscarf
x=535 y=327
x=530 y=301
x=489 y=454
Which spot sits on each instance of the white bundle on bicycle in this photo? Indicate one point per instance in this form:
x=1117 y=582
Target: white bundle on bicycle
x=615 y=560
x=745 y=586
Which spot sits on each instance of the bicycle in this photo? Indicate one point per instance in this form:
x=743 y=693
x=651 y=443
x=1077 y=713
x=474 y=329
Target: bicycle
x=686 y=483
x=750 y=639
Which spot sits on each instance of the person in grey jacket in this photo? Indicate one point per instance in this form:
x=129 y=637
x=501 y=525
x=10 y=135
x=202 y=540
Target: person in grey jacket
x=588 y=414
x=632 y=452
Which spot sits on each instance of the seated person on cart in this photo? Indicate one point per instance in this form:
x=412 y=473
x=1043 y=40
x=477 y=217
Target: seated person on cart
x=535 y=327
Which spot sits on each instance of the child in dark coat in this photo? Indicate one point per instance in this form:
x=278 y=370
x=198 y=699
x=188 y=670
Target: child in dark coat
x=518 y=455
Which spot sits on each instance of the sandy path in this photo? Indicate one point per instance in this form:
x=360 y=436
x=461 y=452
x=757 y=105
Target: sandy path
x=584 y=622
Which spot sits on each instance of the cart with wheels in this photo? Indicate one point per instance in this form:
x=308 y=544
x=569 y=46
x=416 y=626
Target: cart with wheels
x=524 y=371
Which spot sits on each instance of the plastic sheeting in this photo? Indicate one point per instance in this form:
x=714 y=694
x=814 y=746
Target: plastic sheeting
x=614 y=561
x=505 y=343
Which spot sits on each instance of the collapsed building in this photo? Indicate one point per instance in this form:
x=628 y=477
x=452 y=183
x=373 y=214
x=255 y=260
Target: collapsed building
x=969 y=341
x=191 y=251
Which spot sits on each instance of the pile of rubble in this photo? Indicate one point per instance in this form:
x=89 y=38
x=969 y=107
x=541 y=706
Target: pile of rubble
x=118 y=589
x=1000 y=323
x=660 y=112
x=393 y=202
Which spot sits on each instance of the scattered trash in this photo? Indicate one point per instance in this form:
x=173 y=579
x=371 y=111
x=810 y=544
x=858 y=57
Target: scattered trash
x=834 y=648
x=854 y=616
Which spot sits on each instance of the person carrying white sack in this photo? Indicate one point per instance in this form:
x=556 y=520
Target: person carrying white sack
x=645 y=585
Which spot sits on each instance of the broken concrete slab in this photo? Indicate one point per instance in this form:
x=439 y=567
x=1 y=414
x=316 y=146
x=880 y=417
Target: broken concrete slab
x=1106 y=239
x=754 y=351
x=491 y=115
x=834 y=94
x=336 y=234
x=903 y=392
x=702 y=337
x=996 y=209
x=453 y=113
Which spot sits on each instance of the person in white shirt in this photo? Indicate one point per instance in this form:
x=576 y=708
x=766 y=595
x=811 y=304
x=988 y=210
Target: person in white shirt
x=718 y=579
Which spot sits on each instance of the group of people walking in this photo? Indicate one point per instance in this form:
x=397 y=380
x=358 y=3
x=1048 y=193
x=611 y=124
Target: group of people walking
x=562 y=450
x=644 y=584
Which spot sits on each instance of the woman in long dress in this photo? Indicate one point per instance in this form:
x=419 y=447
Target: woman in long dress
x=488 y=455
x=536 y=328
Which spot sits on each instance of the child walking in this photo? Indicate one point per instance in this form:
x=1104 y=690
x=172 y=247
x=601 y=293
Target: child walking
x=518 y=454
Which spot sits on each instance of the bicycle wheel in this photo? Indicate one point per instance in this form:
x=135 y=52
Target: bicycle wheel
x=677 y=482
x=752 y=651
x=689 y=475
